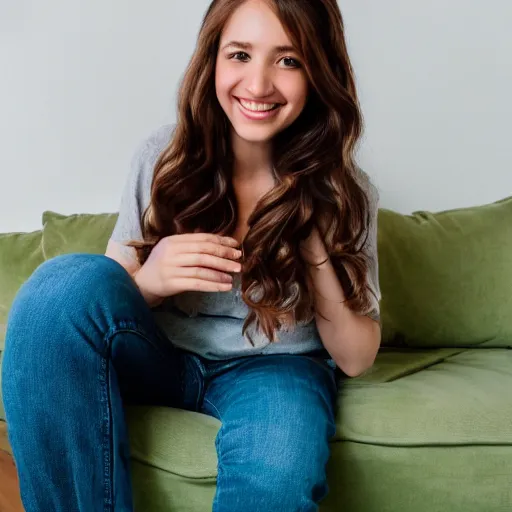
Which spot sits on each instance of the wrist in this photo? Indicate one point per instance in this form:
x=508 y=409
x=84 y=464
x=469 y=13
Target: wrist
x=151 y=299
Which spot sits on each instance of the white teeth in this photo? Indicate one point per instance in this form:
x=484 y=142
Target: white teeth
x=257 y=107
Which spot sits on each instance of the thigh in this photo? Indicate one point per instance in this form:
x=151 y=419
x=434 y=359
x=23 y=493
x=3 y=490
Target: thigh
x=278 y=415
x=81 y=342
x=82 y=315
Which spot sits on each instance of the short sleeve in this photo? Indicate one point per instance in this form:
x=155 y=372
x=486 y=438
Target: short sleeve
x=136 y=193
x=371 y=248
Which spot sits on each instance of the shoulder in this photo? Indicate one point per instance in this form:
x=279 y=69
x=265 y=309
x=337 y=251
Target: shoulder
x=144 y=159
x=150 y=148
x=371 y=191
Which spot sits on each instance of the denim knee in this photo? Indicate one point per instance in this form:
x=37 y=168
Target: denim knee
x=284 y=483
x=89 y=272
x=72 y=289
x=300 y=486
x=70 y=278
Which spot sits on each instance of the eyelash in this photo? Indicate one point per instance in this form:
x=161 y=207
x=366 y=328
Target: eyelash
x=296 y=65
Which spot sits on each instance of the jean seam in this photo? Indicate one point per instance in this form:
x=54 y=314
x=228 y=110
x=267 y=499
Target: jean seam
x=219 y=463
x=108 y=469
x=218 y=449
x=216 y=410
x=108 y=434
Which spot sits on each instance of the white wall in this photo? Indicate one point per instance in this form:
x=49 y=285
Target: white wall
x=82 y=81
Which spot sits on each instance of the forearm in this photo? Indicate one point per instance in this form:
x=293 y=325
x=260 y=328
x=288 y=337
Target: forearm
x=351 y=339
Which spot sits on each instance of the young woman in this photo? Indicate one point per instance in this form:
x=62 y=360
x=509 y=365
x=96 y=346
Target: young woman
x=240 y=280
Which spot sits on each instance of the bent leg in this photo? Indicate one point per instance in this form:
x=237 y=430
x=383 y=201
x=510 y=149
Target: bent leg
x=277 y=415
x=80 y=339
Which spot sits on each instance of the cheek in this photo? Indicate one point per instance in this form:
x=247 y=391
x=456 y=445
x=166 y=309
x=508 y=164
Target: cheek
x=225 y=80
x=296 y=92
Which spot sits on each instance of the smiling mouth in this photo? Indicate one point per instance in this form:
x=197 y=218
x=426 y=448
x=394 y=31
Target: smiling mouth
x=261 y=108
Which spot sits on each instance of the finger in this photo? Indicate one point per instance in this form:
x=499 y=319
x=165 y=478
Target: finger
x=211 y=248
x=206 y=274
x=185 y=283
x=205 y=260
x=206 y=237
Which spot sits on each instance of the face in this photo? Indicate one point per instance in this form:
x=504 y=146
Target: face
x=261 y=85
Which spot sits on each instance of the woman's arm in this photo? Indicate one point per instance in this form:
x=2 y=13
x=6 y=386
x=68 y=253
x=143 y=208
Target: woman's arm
x=352 y=340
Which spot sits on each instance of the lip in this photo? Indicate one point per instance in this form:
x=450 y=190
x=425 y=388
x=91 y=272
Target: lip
x=257 y=116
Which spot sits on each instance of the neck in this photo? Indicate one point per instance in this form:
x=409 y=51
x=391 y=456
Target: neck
x=252 y=160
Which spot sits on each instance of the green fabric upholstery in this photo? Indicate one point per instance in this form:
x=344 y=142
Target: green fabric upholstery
x=20 y=255
x=445 y=397
x=375 y=478
x=82 y=232
x=172 y=468
x=446 y=277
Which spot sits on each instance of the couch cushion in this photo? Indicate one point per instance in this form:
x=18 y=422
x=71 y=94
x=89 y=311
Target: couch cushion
x=174 y=461
x=413 y=409
x=425 y=430
x=376 y=478
x=454 y=397
x=446 y=277
x=20 y=255
x=82 y=232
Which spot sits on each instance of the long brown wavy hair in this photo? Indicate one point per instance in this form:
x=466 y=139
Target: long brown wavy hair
x=317 y=178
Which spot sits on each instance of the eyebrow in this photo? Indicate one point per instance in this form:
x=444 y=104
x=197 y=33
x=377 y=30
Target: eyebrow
x=248 y=46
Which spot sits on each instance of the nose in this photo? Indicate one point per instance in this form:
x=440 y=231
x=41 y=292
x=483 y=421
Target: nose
x=259 y=81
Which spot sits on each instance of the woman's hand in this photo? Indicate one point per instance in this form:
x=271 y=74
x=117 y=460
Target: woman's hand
x=190 y=262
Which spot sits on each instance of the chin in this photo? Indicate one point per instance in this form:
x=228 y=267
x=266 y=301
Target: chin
x=251 y=134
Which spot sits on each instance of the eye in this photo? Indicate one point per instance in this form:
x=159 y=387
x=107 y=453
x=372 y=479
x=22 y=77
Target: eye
x=294 y=62
x=243 y=54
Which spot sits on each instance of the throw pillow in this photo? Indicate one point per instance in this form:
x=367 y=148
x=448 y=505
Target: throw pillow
x=446 y=277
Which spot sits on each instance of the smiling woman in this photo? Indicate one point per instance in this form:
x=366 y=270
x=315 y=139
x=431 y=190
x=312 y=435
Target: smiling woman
x=258 y=69
x=241 y=279
x=276 y=113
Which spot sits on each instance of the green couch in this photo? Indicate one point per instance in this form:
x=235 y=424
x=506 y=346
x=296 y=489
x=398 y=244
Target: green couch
x=428 y=428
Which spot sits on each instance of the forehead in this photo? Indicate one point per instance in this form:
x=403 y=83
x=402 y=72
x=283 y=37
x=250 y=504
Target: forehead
x=255 y=22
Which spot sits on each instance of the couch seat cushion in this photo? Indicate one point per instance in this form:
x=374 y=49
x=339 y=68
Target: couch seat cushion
x=430 y=398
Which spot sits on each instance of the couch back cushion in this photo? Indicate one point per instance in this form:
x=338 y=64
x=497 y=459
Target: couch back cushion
x=20 y=255
x=81 y=232
x=446 y=277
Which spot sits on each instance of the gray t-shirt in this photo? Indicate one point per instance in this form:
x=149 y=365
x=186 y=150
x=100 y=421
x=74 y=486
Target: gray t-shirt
x=210 y=323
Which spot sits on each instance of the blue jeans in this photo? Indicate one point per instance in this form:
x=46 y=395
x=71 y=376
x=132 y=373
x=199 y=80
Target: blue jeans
x=82 y=343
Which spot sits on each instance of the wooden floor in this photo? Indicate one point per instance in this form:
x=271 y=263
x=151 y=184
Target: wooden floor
x=9 y=493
